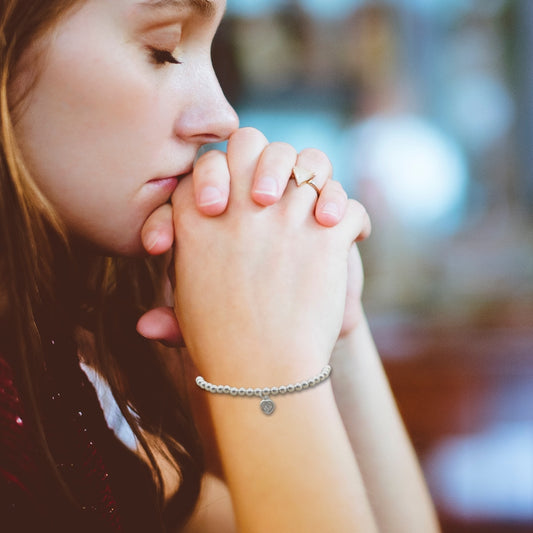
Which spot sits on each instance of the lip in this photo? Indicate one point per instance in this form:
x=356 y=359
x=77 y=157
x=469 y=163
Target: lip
x=170 y=181
x=167 y=184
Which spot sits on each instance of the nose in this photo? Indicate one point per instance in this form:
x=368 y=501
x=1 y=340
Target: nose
x=209 y=117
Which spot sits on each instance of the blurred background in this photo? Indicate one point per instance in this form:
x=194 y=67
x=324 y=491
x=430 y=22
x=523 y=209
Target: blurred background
x=425 y=108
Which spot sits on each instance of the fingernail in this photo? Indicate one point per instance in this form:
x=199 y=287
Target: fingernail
x=151 y=240
x=209 y=196
x=267 y=186
x=332 y=209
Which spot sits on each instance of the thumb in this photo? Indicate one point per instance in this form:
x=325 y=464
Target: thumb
x=160 y=324
x=353 y=311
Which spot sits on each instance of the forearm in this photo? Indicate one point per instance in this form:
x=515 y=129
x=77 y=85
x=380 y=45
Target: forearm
x=389 y=466
x=292 y=471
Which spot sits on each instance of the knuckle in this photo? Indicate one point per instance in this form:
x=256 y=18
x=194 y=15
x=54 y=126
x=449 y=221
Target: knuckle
x=368 y=221
x=280 y=146
x=246 y=133
x=335 y=187
x=358 y=210
x=209 y=157
x=277 y=156
x=356 y=206
x=316 y=157
x=210 y=167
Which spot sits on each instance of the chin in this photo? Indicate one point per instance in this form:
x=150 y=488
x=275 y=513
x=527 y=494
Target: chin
x=128 y=249
x=112 y=247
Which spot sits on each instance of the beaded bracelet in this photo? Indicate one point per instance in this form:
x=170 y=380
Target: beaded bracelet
x=267 y=405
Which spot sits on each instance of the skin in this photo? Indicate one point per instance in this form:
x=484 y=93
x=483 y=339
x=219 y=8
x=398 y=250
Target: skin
x=120 y=119
x=130 y=91
x=125 y=119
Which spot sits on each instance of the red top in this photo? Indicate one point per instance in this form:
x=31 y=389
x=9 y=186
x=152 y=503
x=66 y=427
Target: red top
x=113 y=488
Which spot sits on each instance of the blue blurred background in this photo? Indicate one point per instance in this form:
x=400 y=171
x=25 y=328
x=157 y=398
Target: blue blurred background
x=425 y=108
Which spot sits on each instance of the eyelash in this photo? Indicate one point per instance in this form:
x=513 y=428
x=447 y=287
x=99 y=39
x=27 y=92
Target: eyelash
x=162 y=57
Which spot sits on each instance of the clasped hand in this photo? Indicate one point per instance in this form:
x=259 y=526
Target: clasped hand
x=254 y=270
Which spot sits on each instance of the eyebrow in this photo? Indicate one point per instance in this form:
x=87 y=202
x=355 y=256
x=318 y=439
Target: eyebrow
x=204 y=7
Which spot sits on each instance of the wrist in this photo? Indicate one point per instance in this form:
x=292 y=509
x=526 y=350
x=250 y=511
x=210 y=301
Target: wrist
x=265 y=394
x=306 y=410
x=244 y=367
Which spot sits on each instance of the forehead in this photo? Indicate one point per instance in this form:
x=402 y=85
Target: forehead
x=153 y=12
x=207 y=8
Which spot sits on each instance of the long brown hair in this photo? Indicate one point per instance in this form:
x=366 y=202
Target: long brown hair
x=32 y=238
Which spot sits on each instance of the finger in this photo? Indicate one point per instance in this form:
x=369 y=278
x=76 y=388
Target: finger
x=157 y=234
x=331 y=204
x=367 y=228
x=211 y=183
x=245 y=147
x=314 y=161
x=356 y=221
x=272 y=172
x=353 y=309
x=160 y=324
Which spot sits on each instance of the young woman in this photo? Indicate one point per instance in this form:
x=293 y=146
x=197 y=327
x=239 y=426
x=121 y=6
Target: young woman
x=104 y=105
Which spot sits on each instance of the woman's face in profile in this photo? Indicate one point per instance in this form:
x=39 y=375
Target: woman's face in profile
x=125 y=96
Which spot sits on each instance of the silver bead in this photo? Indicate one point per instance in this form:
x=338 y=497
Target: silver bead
x=265 y=392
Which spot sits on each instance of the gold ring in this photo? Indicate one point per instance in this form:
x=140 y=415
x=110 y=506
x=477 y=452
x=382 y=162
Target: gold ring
x=313 y=184
x=302 y=176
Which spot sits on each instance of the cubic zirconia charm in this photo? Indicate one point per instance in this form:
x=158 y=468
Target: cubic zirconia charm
x=267 y=406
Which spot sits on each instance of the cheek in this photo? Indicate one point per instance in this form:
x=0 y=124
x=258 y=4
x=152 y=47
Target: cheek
x=92 y=136
x=94 y=129
x=93 y=119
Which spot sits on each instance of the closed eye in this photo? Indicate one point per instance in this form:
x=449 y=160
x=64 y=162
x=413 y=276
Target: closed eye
x=161 y=57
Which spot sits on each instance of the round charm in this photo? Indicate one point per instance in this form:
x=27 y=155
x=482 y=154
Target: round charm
x=267 y=406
